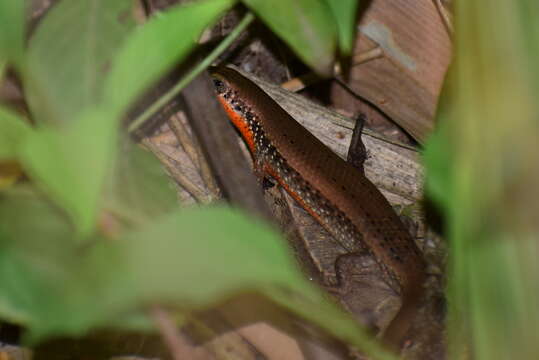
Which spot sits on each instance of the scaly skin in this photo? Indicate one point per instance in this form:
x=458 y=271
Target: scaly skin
x=334 y=192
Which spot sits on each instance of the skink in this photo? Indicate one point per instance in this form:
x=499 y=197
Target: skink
x=334 y=192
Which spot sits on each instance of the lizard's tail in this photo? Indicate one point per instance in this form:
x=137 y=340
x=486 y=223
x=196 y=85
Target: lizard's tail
x=395 y=334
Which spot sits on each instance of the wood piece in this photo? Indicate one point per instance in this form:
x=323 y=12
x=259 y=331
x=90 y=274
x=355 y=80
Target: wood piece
x=182 y=180
x=192 y=148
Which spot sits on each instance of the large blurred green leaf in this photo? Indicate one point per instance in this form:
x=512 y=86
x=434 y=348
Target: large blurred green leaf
x=57 y=288
x=12 y=34
x=307 y=26
x=33 y=235
x=345 y=14
x=71 y=164
x=69 y=55
x=13 y=130
x=217 y=245
x=437 y=154
x=214 y=252
x=530 y=32
x=490 y=140
x=163 y=41
x=47 y=282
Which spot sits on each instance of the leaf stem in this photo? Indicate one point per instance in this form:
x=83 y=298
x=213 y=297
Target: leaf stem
x=182 y=83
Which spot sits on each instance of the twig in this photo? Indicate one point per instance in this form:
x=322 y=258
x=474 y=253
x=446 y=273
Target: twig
x=299 y=83
x=368 y=55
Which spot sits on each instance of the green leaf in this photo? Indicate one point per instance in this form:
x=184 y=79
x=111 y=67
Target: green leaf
x=345 y=14
x=54 y=287
x=484 y=167
x=233 y=252
x=307 y=26
x=212 y=253
x=69 y=56
x=438 y=184
x=154 y=48
x=47 y=282
x=13 y=131
x=438 y=154
x=33 y=235
x=71 y=164
x=12 y=34
x=138 y=190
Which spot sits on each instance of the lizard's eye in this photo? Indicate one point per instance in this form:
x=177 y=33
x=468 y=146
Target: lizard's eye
x=219 y=86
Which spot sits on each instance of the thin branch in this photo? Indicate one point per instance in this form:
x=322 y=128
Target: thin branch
x=301 y=82
x=182 y=83
x=367 y=55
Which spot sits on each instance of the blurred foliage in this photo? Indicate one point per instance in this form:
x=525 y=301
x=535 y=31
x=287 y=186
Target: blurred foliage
x=76 y=59
x=54 y=286
x=306 y=25
x=345 y=13
x=95 y=234
x=12 y=34
x=70 y=164
x=14 y=129
x=483 y=171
